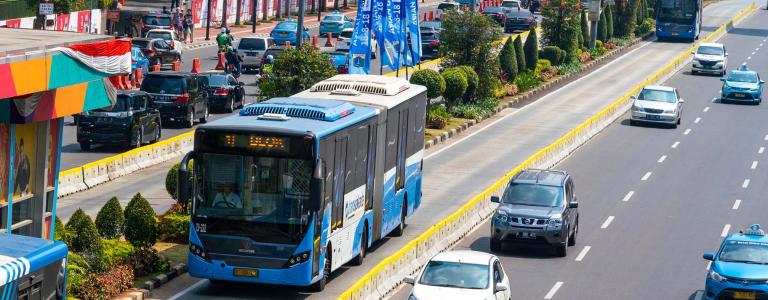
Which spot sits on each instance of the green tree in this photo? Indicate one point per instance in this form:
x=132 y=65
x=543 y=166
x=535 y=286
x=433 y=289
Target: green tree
x=610 y=26
x=584 y=29
x=295 y=70
x=508 y=60
x=140 y=222
x=560 y=24
x=432 y=80
x=602 y=27
x=531 y=49
x=455 y=86
x=110 y=219
x=84 y=239
x=467 y=39
x=628 y=18
x=520 y=54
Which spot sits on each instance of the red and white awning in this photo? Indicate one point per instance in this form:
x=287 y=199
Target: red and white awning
x=110 y=57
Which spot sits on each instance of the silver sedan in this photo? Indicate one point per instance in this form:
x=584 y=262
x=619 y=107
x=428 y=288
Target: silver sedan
x=657 y=104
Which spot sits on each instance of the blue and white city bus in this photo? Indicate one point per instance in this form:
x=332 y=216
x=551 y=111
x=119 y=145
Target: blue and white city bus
x=32 y=268
x=679 y=19
x=292 y=188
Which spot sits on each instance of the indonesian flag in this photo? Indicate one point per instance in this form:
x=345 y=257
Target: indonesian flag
x=111 y=57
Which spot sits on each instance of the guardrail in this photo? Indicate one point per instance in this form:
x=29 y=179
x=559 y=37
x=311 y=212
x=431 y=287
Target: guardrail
x=110 y=168
x=388 y=274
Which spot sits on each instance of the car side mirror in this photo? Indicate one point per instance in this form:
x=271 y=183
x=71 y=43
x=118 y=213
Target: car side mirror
x=726 y=53
x=681 y=101
x=709 y=256
x=633 y=97
x=573 y=204
x=500 y=287
x=409 y=279
x=495 y=199
x=693 y=52
x=762 y=81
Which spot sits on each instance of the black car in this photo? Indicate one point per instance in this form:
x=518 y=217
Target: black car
x=179 y=96
x=496 y=13
x=224 y=92
x=132 y=121
x=430 y=39
x=158 y=51
x=155 y=21
x=519 y=20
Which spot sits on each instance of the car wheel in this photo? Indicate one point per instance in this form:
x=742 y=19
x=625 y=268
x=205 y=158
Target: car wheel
x=562 y=250
x=495 y=245
x=358 y=260
x=319 y=286
x=138 y=142
x=401 y=228
x=190 y=121
x=231 y=106
x=157 y=134
x=572 y=240
x=204 y=118
x=85 y=146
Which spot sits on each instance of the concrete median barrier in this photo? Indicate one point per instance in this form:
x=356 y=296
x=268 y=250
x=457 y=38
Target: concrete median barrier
x=71 y=181
x=387 y=275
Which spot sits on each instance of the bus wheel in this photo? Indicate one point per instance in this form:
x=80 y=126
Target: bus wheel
x=319 y=286
x=401 y=228
x=363 y=248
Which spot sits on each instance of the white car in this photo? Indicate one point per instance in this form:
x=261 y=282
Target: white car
x=445 y=6
x=511 y=4
x=168 y=35
x=461 y=275
x=657 y=104
x=710 y=58
x=345 y=40
x=251 y=50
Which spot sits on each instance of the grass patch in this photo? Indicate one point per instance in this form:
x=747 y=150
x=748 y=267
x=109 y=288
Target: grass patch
x=452 y=123
x=175 y=253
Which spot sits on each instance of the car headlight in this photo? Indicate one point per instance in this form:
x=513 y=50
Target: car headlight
x=754 y=88
x=669 y=111
x=502 y=218
x=726 y=86
x=716 y=277
x=637 y=108
x=555 y=223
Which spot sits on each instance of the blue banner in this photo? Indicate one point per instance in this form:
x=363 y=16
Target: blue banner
x=379 y=29
x=393 y=36
x=360 y=48
x=412 y=15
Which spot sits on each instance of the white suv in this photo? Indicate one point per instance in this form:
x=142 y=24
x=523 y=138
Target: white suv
x=251 y=50
x=710 y=58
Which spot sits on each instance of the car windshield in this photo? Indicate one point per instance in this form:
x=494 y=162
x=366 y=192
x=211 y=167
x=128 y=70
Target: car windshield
x=252 y=44
x=533 y=195
x=444 y=6
x=162 y=85
x=492 y=10
x=159 y=35
x=657 y=95
x=455 y=274
x=428 y=34
x=709 y=50
x=677 y=11
x=332 y=18
x=217 y=80
x=121 y=105
x=157 y=21
x=140 y=44
x=286 y=25
x=347 y=34
x=742 y=77
x=512 y=4
x=745 y=252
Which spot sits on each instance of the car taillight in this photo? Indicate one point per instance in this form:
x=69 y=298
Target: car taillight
x=341 y=24
x=499 y=15
x=221 y=92
x=133 y=61
x=332 y=59
x=434 y=43
x=183 y=98
x=144 y=26
x=172 y=45
x=150 y=52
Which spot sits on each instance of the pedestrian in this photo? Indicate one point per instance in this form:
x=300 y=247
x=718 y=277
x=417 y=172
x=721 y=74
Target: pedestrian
x=189 y=27
x=174 y=4
x=178 y=22
x=165 y=10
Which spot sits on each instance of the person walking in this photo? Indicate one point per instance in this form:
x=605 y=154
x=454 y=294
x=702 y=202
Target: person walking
x=178 y=22
x=189 y=27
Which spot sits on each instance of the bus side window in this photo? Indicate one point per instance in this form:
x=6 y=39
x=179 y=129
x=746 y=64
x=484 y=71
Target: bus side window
x=339 y=174
x=402 y=141
x=327 y=150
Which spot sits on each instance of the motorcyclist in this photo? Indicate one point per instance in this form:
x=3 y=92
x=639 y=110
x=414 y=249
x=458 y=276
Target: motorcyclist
x=266 y=67
x=233 y=59
x=223 y=39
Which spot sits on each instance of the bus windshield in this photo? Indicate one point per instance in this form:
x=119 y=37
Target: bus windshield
x=272 y=193
x=677 y=11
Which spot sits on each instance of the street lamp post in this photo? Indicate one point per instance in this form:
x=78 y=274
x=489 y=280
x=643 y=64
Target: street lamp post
x=208 y=23
x=255 y=11
x=300 y=28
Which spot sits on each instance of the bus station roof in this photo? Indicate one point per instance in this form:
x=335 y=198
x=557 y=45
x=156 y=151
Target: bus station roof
x=15 y=43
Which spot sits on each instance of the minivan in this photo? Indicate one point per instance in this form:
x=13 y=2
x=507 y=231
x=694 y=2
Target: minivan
x=180 y=96
x=251 y=50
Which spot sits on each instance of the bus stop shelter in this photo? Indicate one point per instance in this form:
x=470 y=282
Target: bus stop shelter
x=45 y=76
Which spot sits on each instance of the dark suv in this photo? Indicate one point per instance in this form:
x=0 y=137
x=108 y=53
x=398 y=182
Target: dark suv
x=158 y=51
x=224 y=92
x=538 y=207
x=131 y=121
x=181 y=97
x=155 y=21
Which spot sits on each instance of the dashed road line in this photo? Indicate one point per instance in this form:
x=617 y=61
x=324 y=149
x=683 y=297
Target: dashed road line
x=554 y=289
x=687 y=131
x=645 y=177
x=706 y=109
x=726 y=229
x=754 y=165
x=675 y=144
x=661 y=159
x=697 y=120
x=761 y=150
x=765 y=138
x=629 y=195
x=583 y=253
x=753 y=53
x=736 y=204
x=745 y=184
x=607 y=222
x=748 y=58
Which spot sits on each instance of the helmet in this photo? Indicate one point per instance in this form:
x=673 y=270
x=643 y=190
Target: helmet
x=227 y=29
x=743 y=67
x=270 y=59
x=223 y=29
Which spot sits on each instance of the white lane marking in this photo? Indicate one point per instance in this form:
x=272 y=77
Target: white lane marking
x=662 y=158
x=753 y=53
x=535 y=103
x=765 y=138
x=697 y=120
x=761 y=44
x=761 y=150
x=554 y=289
x=757 y=49
x=754 y=165
x=187 y=290
x=706 y=109
x=583 y=253
x=736 y=204
x=629 y=195
x=675 y=144
x=687 y=131
x=745 y=184
x=726 y=229
x=607 y=222
x=645 y=177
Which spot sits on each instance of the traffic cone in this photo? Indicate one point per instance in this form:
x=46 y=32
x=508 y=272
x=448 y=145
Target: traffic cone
x=329 y=41
x=196 y=65
x=315 y=42
x=139 y=77
x=425 y=16
x=154 y=68
x=125 y=83
x=176 y=67
x=220 y=65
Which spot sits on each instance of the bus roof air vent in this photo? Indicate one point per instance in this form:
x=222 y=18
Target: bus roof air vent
x=367 y=84
x=324 y=110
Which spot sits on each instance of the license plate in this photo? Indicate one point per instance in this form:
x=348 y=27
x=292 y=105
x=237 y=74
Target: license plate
x=674 y=34
x=653 y=117
x=251 y=54
x=739 y=95
x=283 y=34
x=744 y=295
x=526 y=235
x=246 y=273
x=331 y=25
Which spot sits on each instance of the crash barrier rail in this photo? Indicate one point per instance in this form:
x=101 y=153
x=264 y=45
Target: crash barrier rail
x=110 y=168
x=387 y=275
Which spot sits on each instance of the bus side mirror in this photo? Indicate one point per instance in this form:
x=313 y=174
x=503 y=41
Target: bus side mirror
x=317 y=188
x=182 y=180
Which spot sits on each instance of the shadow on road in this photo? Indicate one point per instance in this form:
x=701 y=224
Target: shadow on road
x=514 y=251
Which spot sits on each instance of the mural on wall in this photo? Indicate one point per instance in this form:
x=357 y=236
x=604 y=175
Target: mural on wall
x=5 y=150
x=52 y=153
x=24 y=160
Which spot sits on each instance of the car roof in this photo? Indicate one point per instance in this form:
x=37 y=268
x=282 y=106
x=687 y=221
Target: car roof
x=145 y=39
x=255 y=37
x=287 y=21
x=161 y=30
x=743 y=72
x=542 y=177
x=157 y=14
x=659 y=88
x=748 y=235
x=711 y=45
x=464 y=256
x=131 y=93
x=335 y=13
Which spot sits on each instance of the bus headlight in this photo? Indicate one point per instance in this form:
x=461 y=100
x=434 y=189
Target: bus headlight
x=297 y=259
x=198 y=251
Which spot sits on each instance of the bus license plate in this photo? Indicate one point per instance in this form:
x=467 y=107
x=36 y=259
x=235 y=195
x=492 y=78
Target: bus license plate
x=526 y=235
x=744 y=295
x=674 y=34
x=246 y=272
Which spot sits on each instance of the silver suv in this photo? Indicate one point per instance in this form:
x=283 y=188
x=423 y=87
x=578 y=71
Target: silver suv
x=252 y=49
x=538 y=207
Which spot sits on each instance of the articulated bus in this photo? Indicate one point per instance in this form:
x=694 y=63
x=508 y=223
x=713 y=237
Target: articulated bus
x=292 y=188
x=679 y=19
x=32 y=268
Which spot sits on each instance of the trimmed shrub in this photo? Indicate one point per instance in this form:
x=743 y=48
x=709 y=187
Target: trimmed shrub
x=431 y=79
x=520 y=54
x=645 y=27
x=77 y=271
x=602 y=27
x=455 y=86
x=531 y=49
x=609 y=25
x=140 y=222
x=107 y=285
x=508 y=60
x=110 y=219
x=584 y=30
x=472 y=82
x=599 y=44
x=171 y=181
x=553 y=54
x=438 y=117
x=527 y=80
x=116 y=252
x=174 y=228
x=85 y=238
x=542 y=65
x=145 y=261
x=59 y=231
